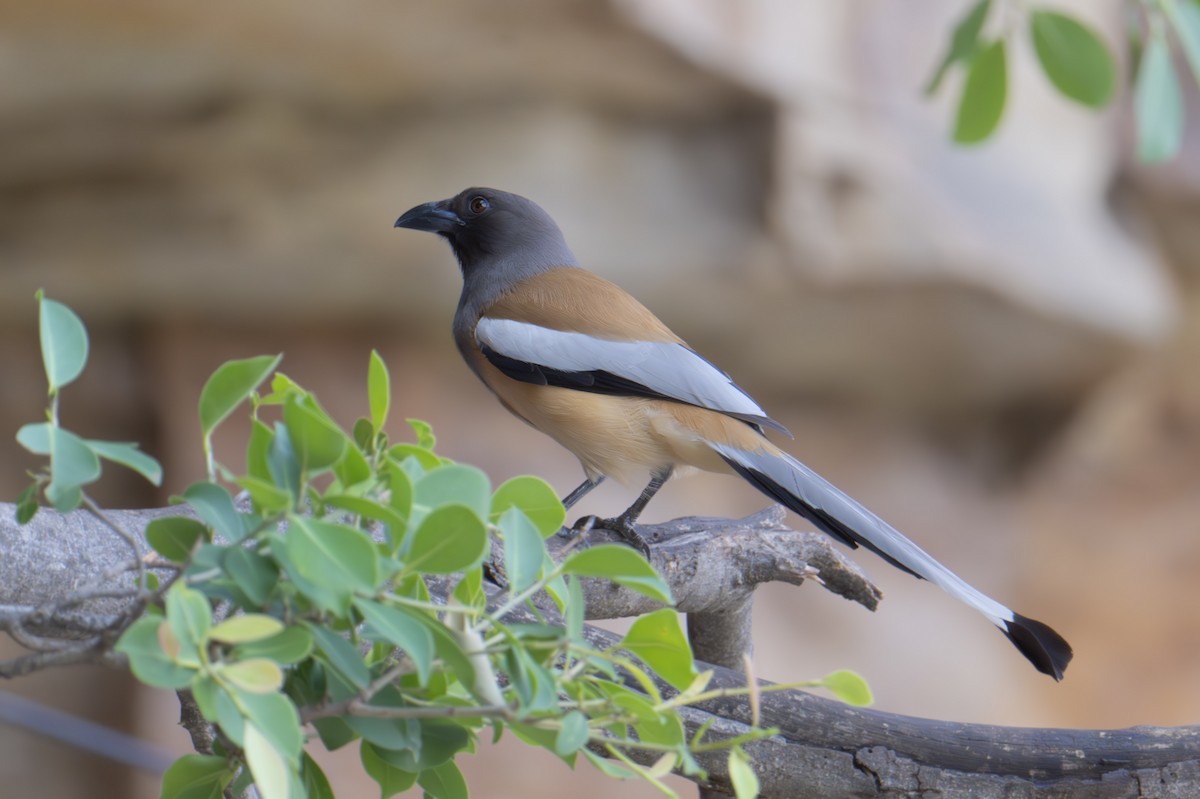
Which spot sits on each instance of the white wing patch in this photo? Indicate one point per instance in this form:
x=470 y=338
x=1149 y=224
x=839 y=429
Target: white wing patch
x=664 y=367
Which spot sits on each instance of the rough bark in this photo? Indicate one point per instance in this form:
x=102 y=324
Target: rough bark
x=823 y=749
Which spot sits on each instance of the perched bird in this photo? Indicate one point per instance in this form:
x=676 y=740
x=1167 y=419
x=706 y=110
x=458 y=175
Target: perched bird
x=581 y=360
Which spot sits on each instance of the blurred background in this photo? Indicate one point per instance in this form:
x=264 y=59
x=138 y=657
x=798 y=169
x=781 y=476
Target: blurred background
x=994 y=348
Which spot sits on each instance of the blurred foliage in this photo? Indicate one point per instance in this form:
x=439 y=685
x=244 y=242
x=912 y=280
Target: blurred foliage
x=1078 y=64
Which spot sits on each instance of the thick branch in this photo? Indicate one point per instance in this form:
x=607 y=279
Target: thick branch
x=824 y=748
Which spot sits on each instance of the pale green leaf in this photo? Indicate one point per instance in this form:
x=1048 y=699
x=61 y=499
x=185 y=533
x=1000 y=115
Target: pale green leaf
x=1158 y=103
x=129 y=456
x=524 y=550
x=1073 y=57
x=963 y=43
x=622 y=565
x=849 y=687
x=659 y=641
x=535 y=498
x=230 y=385
x=255 y=675
x=741 y=774
x=316 y=440
x=245 y=628
x=983 y=96
x=269 y=768
x=196 y=777
x=1185 y=18
x=64 y=343
x=450 y=539
x=378 y=390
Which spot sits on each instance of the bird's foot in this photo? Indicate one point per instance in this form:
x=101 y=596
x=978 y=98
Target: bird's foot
x=621 y=525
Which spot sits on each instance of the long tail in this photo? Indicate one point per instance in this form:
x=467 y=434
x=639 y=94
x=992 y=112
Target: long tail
x=797 y=487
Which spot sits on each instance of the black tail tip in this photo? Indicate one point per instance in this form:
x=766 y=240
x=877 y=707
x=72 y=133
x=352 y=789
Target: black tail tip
x=1047 y=650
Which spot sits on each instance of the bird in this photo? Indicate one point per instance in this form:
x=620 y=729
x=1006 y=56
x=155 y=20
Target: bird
x=578 y=358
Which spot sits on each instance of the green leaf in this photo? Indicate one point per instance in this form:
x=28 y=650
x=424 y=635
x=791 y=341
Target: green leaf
x=282 y=387
x=659 y=641
x=378 y=390
x=440 y=742
x=338 y=558
x=1158 y=102
x=535 y=498
x=849 y=687
x=469 y=592
x=35 y=437
x=963 y=43
x=268 y=766
x=64 y=342
x=622 y=565
x=651 y=726
x=352 y=468
x=364 y=435
x=290 y=645
x=401 y=628
x=189 y=614
x=267 y=497
x=246 y=628
x=608 y=767
x=316 y=440
x=572 y=735
x=983 y=95
x=27 y=504
x=129 y=456
x=450 y=651
x=1185 y=19
x=401 y=493
x=215 y=506
x=282 y=462
x=1073 y=57
x=398 y=733
x=316 y=784
x=369 y=509
x=575 y=609
x=425 y=437
x=443 y=782
x=218 y=704
x=196 y=777
x=229 y=386
x=174 y=537
x=254 y=575
x=741 y=774
x=257 y=449
x=452 y=538
x=524 y=550
x=255 y=675
x=341 y=655
x=72 y=462
x=455 y=484
x=427 y=460
x=391 y=779
x=274 y=715
x=148 y=661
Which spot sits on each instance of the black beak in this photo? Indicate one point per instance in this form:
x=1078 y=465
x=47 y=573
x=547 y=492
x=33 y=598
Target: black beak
x=434 y=217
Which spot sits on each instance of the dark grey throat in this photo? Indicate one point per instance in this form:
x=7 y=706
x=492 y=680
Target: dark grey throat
x=492 y=266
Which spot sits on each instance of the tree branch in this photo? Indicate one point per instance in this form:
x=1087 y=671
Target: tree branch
x=823 y=748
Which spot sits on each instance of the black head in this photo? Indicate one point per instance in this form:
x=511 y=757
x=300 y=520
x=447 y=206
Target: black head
x=494 y=231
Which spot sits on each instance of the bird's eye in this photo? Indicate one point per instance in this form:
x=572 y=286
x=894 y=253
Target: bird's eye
x=479 y=204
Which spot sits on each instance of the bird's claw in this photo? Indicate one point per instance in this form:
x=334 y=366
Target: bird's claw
x=625 y=529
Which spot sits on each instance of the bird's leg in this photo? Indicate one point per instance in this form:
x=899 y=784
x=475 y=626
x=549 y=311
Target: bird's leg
x=623 y=525
x=583 y=490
